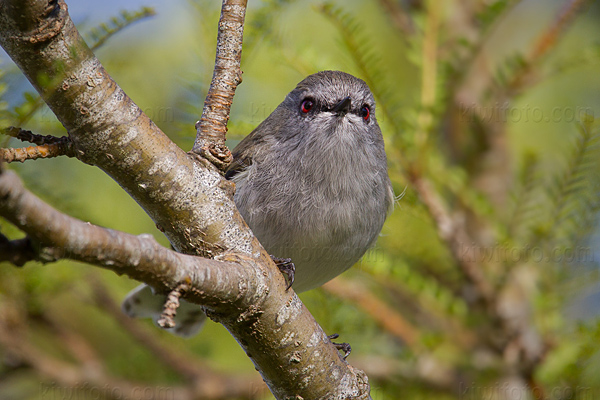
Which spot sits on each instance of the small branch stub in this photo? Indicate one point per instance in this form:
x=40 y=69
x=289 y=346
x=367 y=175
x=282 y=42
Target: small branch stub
x=167 y=318
x=218 y=154
x=47 y=146
x=18 y=252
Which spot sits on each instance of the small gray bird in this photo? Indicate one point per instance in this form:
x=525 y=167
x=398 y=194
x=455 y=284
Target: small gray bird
x=311 y=182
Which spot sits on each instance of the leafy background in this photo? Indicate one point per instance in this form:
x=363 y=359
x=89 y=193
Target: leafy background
x=505 y=137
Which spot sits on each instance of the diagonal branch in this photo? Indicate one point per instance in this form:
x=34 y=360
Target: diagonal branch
x=547 y=40
x=187 y=199
x=271 y=324
x=391 y=320
x=212 y=127
x=455 y=237
x=139 y=257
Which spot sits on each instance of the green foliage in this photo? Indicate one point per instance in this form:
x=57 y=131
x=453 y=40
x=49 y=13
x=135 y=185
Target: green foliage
x=261 y=24
x=433 y=295
x=98 y=35
x=524 y=206
x=368 y=62
x=414 y=271
x=588 y=56
x=567 y=202
x=493 y=11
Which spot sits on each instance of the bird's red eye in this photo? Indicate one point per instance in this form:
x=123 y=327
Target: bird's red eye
x=306 y=106
x=365 y=112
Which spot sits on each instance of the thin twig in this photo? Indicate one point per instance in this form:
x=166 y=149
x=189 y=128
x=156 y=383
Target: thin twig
x=35 y=152
x=28 y=136
x=167 y=318
x=227 y=75
x=47 y=146
x=546 y=42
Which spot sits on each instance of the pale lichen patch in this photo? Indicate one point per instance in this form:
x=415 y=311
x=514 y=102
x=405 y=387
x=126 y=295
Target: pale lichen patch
x=289 y=311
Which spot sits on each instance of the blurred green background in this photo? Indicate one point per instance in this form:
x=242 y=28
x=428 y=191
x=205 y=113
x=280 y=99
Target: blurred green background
x=489 y=93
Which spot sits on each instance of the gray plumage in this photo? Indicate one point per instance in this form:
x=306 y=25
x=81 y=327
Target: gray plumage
x=312 y=183
x=313 y=186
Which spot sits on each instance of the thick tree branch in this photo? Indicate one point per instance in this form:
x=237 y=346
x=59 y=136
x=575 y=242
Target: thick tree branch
x=187 y=198
x=212 y=127
x=108 y=130
x=272 y=325
x=139 y=257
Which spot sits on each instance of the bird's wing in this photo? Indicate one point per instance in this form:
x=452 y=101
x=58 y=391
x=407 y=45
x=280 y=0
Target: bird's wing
x=246 y=151
x=241 y=161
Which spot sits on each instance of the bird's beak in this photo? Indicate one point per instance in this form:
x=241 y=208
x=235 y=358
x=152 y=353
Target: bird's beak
x=343 y=106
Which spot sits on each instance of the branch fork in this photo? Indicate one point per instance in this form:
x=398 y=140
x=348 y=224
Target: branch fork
x=190 y=202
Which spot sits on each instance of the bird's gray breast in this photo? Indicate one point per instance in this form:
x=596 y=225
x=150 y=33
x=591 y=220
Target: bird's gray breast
x=320 y=203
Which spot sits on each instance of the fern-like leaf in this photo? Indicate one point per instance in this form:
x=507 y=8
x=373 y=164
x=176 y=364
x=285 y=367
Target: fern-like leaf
x=493 y=12
x=99 y=35
x=525 y=197
x=260 y=24
x=360 y=49
x=572 y=195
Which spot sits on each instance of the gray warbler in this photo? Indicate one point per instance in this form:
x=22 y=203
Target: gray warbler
x=311 y=182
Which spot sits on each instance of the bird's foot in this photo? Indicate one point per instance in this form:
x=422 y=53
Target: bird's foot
x=345 y=347
x=287 y=267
